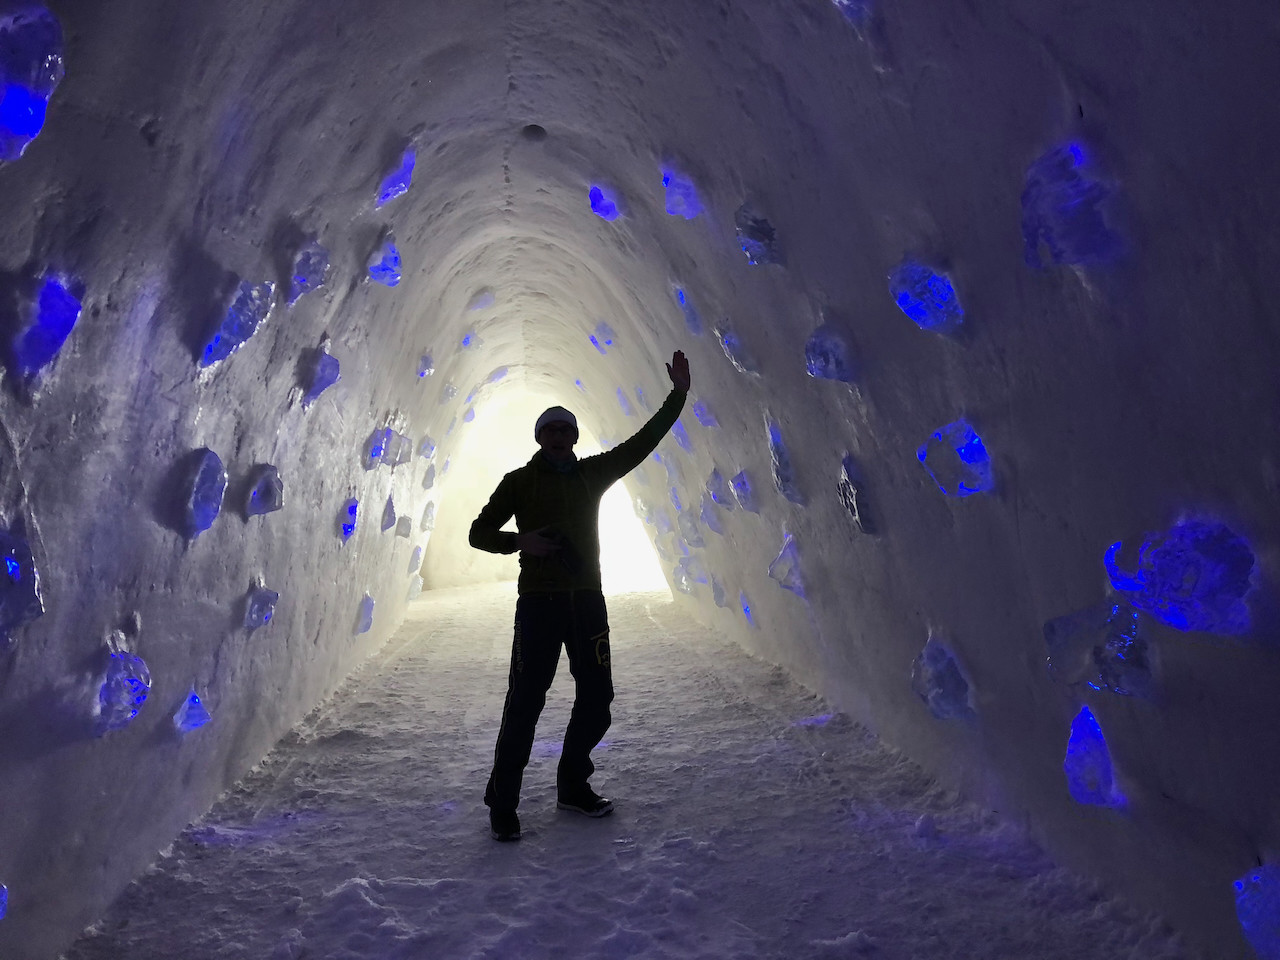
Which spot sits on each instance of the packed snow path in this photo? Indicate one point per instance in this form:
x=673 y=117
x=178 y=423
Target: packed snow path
x=750 y=823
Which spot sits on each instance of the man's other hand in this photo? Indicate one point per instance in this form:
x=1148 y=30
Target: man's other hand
x=535 y=544
x=678 y=370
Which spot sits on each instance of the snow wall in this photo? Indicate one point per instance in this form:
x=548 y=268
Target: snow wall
x=1088 y=199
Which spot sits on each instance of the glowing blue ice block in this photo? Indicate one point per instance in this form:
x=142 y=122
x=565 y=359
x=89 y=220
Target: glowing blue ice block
x=1064 y=211
x=375 y=447
x=682 y=436
x=603 y=201
x=45 y=320
x=784 y=475
x=192 y=715
x=689 y=530
x=742 y=492
x=260 y=606
x=384 y=263
x=745 y=603
x=692 y=320
x=682 y=195
x=702 y=411
x=426 y=366
x=675 y=499
x=957 y=460
x=364 y=619
x=388 y=515
x=1193 y=577
x=204 y=495
x=347 y=518
x=311 y=269
x=719 y=489
x=857 y=12
x=266 y=492
x=20 y=599
x=785 y=568
x=926 y=297
x=709 y=515
x=122 y=688
x=937 y=679
x=1087 y=766
x=743 y=360
x=642 y=401
x=756 y=236
x=31 y=67
x=324 y=372
x=624 y=404
x=827 y=356
x=397 y=182
x=415 y=560
x=1258 y=909
x=427 y=448
x=602 y=338
x=249 y=308
x=4 y=901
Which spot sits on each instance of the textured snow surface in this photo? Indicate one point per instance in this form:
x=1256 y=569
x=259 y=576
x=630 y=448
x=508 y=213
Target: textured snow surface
x=750 y=823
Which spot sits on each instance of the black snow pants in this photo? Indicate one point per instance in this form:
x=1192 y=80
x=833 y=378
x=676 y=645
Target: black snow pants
x=544 y=621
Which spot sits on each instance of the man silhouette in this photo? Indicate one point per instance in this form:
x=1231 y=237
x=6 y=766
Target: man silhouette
x=555 y=499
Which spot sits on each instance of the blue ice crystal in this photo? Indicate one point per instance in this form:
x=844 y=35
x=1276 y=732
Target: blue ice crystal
x=20 y=599
x=643 y=401
x=192 y=715
x=956 y=459
x=785 y=568
x=662 y=520
x=1258 y=909
x=784 y=474
x=469 y=415
x=756 y=236
x=122 y=688
x=742 y=359
x=249 y=308
x=702 y=411
x=1194 y=577
x=602 y=338
x=311 y=268
x=44 y=323
x=426 y=367
x=482 y=299
x=384 y=262
x=388 y=515
x=682 y=195
x=675 y=499
x=849 y=490
x=682 y=436
x=718 y=487
x=324 y=372
x=709 y=516
x=375 y=448
x=1102 y=647
x=691 y=318
x=31 y=67
x=4 y=900
x=428 y=522
x=259 y=607
x=937 y=679
x=266 y=492
x=429 y=478
x=718 y=594
x=742 y=492
x=1090 y=777
x=604 y=203
x=1064 y=211
x=689 y=530
x=857 y=12
x=204 y=497
x=681 y=579
x=826 y=356
x=364 y=619
x=745 y=604
x=926 y=297
x=415 y=560
x=347 y=518
x=624 y=403
x=397 y=182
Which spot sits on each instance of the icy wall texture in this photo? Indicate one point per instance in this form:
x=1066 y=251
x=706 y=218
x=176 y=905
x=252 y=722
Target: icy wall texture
x=801 y=196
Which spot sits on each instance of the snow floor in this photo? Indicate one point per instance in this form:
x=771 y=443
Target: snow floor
x=750 y=823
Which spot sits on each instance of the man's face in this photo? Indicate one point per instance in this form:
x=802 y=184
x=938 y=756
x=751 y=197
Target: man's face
x=557 y=439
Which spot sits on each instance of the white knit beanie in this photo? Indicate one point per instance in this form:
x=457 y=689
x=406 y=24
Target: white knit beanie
x=553 y=414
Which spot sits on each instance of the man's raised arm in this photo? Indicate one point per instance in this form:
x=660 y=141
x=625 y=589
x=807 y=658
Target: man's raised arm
x=486 y=529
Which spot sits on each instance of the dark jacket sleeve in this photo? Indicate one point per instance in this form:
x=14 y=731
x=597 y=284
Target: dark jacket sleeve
x=629 y=454
x=486 y=532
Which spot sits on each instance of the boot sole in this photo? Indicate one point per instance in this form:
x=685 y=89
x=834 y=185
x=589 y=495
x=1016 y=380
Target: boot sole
x=602 y=812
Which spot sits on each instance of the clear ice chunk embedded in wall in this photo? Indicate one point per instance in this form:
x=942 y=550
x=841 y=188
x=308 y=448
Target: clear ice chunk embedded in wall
x=710 y=518
x=603 y=201
x=471 y=339
x=45 y=320
x=123 y=687
x=642 y=401
x=624 y=404
x=756 y=236
x=742 y=359
x=266 y=493
x=689 y=530
x=602 y=338
x=204 y=497
x=1090 y=777
x=675 y=499
x=388 y=515
x=31 y=67
x=1064 y=211
x=426 y=366
x=429 y=478
x=427 y=448
x=447 y=393
x=498 y=374
x=1193 y=577
x=347 y=518
x=364 y=619
x=482 y=299
x=428 y=522
x=4 y=900
x=719 y=489
x=784 y=474
x=415 y=560
x=249 y=308
x=681 y=579
x=849 y=489
x=718 y=594
x=20 y=599
x=682 y=436
x=662 y=520
x=323 y=372
x=376 y=447
x=1102 y=646
x=691 y=318
x=926 y=297
x=642 y=510
x=311 y=269
x=397 y=182
x=384 y=263
x=785 y=568
x=743 y=493
x=957 y=460
x=827 y=356
x=1258 y=910
x=857 y=12
x=937 y=679
x=702 y=411
x=416 y=584
x=404 y=527
x=397 y=450
x=260 y=606
x=192 y=715
x=745 y=603
x=682 y=196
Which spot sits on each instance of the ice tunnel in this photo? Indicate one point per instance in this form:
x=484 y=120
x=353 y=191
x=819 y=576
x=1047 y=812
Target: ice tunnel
x=475 y=210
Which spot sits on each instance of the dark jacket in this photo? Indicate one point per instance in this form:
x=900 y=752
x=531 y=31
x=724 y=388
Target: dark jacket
x=538 y=495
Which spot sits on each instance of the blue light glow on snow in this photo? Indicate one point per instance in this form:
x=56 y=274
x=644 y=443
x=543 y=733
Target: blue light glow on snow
x=1194 y=577
x=384 y=263
x=682 y=195
x=397 y=182
x=13 y=569
x=957 y=460
x=1258 y=909
x=20 y=599
x=745 y=604
x=603 y=338
x=690 y=312
x=580 y=385
x=31 y=67
x=45 y=324
x=926 y=297
x=603 y=202
x=702 y=411
x=4 y=901
x=1090 y=777
x=1064 y=211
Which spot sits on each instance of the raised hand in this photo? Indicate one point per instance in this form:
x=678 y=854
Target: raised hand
x=678 y=371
